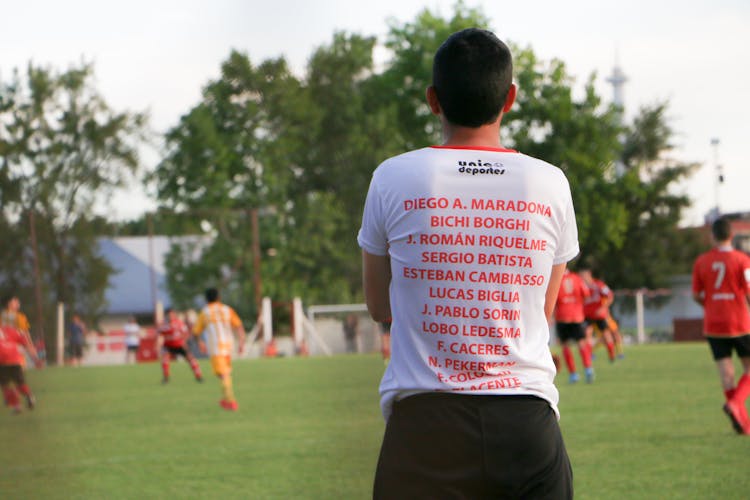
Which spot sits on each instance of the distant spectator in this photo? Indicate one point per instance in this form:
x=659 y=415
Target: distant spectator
x=132 y=339
x=350 y=332
x=77 y=341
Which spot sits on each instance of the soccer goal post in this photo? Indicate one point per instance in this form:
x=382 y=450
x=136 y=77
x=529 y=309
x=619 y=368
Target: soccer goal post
x=341 y=328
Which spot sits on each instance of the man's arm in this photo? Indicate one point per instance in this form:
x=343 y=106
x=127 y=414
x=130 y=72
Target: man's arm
x=29 y=346
x=376 y=278
x=239 y=330
x=198 y=328
x=553 y=287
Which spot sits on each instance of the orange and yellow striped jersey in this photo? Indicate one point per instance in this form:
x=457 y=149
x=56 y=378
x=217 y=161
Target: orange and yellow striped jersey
x=15 y=319
x=218 y=321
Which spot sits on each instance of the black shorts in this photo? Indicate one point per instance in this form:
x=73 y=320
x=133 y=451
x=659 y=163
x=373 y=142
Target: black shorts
x=601 y=324
x=441 y=445
x=721 y=347
x=176 y=351
x=570 y=331
x=132 y=348
x=11 y=373
x=76 y=350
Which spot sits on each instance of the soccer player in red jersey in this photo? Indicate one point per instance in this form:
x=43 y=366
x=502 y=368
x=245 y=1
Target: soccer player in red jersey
x=11 y=367
x=172 y=337
x=596 y=310
x=721 y=284
x=569 y=317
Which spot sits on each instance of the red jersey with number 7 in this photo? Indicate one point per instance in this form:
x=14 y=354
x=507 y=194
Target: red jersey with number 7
x=722 y=278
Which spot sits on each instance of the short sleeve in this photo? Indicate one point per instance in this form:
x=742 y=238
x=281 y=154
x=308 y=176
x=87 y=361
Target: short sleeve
x=567 y=248
x=234 y=320
x=697 y=283
x=372 y=236
x=199 y=324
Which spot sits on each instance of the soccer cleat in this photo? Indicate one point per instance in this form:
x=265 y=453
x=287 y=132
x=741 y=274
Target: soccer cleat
x=165 y=380
x=15 y=410
x=30 y=401
x=739 y=421
x=620 y=356
x=229 y=405
x=199 y=379
x=573 y=378
x=589 y=375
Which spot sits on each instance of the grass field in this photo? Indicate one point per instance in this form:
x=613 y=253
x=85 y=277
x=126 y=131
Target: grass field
x=650 y=427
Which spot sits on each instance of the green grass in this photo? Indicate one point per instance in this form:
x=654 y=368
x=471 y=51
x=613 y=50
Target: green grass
x=650 y=427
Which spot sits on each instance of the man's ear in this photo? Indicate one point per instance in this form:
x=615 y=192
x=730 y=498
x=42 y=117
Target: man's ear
x=510 y=98
x=432 y=100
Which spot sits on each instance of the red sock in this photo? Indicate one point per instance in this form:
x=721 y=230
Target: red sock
x=729 y=394
x=24 y=389
x=585 y=355
x=610 y=350
x=165 y=366
x=11 y=397
x=196 y=368
x=742 y=390
x=7 y=395
x=569 y=361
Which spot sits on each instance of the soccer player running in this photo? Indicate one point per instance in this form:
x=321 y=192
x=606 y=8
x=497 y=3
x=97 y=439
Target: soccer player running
x=721 y=284
x=220 y=324
x=464 y=247
x=12 y=378
x=596 y=309
x=569 y=318
x=172 y=336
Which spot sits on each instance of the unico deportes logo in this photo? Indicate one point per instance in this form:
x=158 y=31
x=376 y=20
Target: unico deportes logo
x=481 y=167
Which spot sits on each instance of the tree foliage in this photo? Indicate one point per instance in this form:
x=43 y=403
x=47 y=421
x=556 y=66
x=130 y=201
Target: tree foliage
x=301 y=150
x=62 y=149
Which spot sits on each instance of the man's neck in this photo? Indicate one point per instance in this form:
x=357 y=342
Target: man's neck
x=486 y=136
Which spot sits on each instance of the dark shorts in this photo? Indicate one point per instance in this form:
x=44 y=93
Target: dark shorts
x=132 y=348
x=439 y=445
x=11 y=373
x=570 y=331
x=176 y=351
x=722 y=347
x=601 y=324
x=76 y=350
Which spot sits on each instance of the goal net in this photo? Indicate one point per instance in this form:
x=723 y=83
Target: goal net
x=341 y=328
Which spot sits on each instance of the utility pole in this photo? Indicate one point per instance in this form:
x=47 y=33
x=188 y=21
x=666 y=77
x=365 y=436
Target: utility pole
x=256 y=258
x=719 y=172
x=38 y=321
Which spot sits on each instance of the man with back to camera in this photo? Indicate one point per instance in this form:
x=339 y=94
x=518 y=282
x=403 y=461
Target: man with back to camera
x=478 y=238
x=569 y=319
x=220 y=324
x=721 y=284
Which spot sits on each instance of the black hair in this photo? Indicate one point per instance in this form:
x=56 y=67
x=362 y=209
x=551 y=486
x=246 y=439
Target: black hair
x=472 y=73
x=721 y=229
x=212 y=295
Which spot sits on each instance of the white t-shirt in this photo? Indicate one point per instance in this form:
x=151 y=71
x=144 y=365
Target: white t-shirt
x=132 y=334
x=472 y=234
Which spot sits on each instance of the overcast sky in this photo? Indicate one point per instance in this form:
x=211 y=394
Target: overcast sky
x=156 y=55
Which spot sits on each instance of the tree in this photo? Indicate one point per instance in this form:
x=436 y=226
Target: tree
x=653 y=247
x=62 y=149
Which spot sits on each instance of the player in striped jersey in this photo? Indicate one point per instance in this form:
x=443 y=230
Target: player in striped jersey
x=219 y=324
